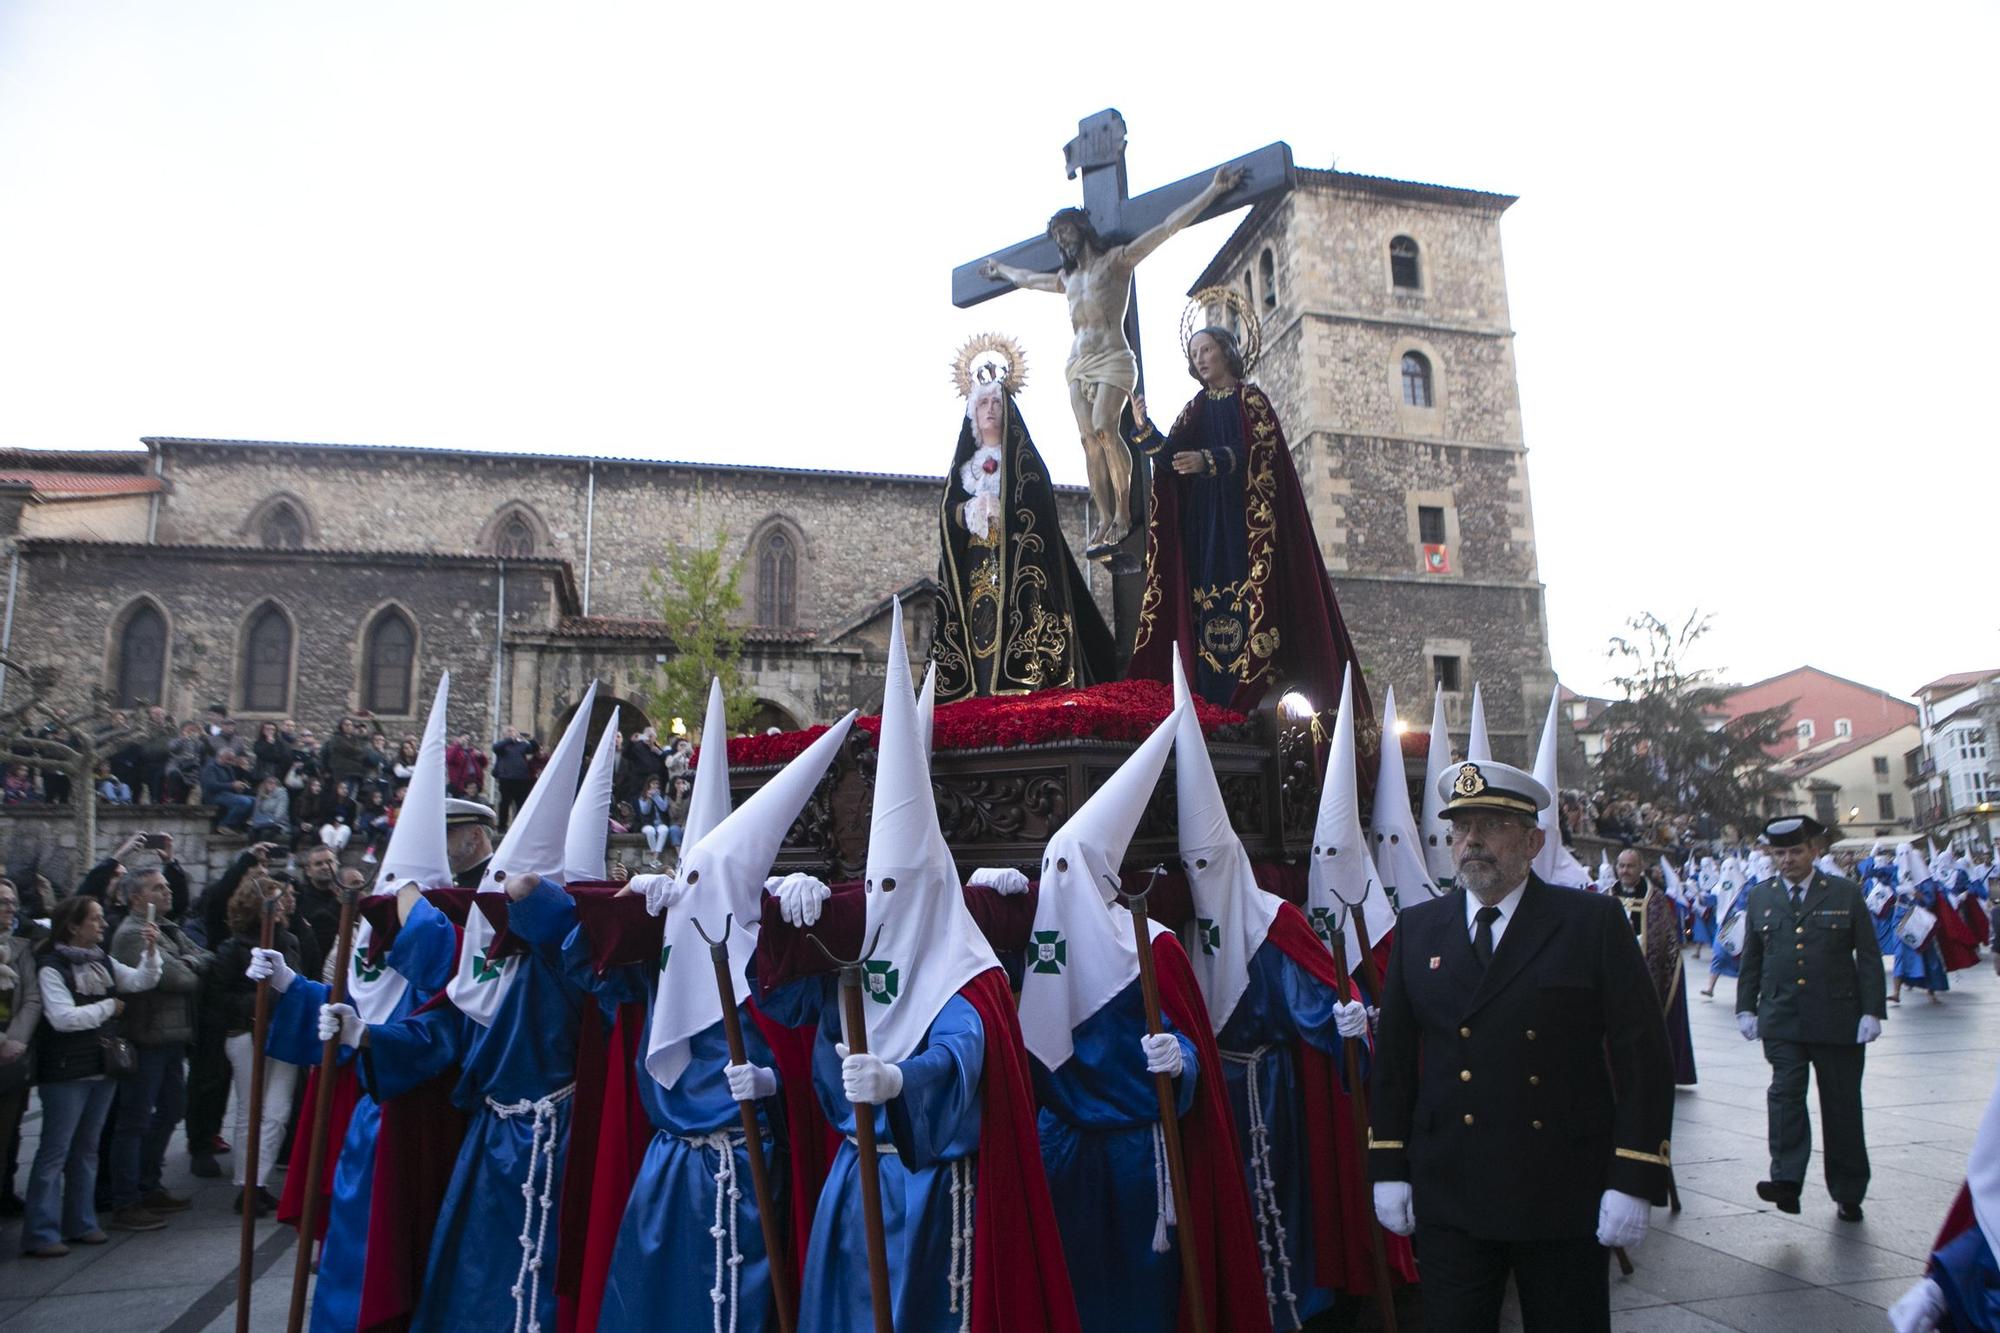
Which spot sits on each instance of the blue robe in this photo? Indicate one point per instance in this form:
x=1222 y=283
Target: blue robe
x=1703 y=926
x=528 y=1054
x=932 y=1124
x=1283 y=1004
x=1970 y=1279
x=663 y=1268
x=1922 y=967
x=422 y=952
x=1096 y=1124
x=1720 y=963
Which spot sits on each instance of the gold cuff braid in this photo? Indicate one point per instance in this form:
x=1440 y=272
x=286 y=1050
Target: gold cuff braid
x=1661 y=1158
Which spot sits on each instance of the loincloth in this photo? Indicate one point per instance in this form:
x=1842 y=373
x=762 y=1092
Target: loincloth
x=1119 y=369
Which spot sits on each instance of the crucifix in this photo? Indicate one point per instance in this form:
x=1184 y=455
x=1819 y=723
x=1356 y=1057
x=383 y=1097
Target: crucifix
x=1089 y=254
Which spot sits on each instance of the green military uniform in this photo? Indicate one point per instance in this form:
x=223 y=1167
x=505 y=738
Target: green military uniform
x=1811 y=968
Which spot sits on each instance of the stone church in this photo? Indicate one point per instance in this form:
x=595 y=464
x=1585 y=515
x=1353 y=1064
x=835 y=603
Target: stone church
x=312 y=581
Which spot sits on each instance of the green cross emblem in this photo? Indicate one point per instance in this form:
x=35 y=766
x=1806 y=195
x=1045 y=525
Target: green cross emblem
x=665 y=949
x=1051 y=951
x=484 y=968
x=365 y=971
x=1210 y=933
x=1322 y=923
x=881 y=980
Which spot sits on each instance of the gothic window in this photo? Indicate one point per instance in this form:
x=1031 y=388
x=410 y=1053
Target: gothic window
x=777 y=580
x=142 y=658
x=1417 y=380
x=1267 y=269
x=516 y=540
x=267 y=662
x=389 y=650
x=1403 y=269
x=282 y=529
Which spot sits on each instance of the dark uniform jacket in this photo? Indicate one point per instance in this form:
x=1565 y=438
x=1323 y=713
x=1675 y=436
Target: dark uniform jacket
x=1512 y=1100
x=1810 y=975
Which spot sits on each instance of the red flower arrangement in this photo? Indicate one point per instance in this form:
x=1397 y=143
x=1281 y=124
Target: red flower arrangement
x=1124 y=710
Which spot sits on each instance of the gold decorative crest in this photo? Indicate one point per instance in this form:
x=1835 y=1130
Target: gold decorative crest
x=1195 y=317
x=987 y=357
x=1469 y=783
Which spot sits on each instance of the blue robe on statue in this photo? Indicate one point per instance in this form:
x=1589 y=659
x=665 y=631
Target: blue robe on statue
x=423 y=953
x=1097 y=1124
x=1965 y=1271
x=515 y=1080
x=933 y=1127
x=1921 y=967
x=664 y=1267
x=1282 y=1005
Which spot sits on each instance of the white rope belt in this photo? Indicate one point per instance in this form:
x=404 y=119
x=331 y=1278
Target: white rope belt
x=1163 y=1192
x=1271 y=1239
x=728 y=1288
x=959 y=1277
x=536 y=1208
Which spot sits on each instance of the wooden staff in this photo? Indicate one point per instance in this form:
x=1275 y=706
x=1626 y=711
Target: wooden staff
x=1357 y=1092
x=248 y=1200
x=775 y=1254
x=1170 y=1123
x=854 y=1024
x=329 y=1064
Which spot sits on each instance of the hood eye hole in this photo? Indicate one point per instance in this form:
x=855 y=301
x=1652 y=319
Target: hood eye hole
x=1201 y=863
x=1062 y=863
x=888 y=883
x=694 y=876
x=499 y=876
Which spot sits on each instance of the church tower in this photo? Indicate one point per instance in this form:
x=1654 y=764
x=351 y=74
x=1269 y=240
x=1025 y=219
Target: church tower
x=1388 y=355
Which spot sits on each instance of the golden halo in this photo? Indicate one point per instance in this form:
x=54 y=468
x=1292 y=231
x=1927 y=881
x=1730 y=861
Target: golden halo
x=985 y=357
x=1194 y=318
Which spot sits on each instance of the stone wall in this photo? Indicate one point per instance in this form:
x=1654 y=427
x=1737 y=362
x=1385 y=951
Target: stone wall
x=42 y=839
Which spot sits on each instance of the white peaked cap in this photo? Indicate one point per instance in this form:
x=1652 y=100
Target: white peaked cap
x=1555 y=863
x=534 y=844
x=722 y=881
x=1081 y=953
x=416 y=851
x=1435 y=827
x=1232 y=913
x=928 y=945
x=1399 y=853
x=1341 y=874
x=927 y=707
x=708 y=803
x=590 y=817
x=1478 y=748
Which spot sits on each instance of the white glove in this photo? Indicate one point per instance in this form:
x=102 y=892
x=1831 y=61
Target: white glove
x=269 y=963
x=1001 y=880
x=1351 y=1018
x=1869 y=1030
x=1163 y=1054
x=868 y=1080
x=799 y=897
x=1919 y=1309
x=662 y=891
x=750 y=1083
x=1394 y=1208
x=1746 y=1023
x=340 y=1020
x=1621 y=1219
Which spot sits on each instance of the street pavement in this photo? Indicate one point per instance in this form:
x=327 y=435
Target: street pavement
x=1727 y=1261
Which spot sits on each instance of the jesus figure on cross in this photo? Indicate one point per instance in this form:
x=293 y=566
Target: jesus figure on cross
x=1103 y=371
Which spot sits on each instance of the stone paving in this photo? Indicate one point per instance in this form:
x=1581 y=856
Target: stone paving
x=1728 y=1261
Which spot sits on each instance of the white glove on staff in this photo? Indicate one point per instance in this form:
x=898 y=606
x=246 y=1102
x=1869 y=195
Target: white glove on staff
x=1622 y=1219
x=868 y=1080
x=269 y=964
x=799 y=897
x=1163 y=1054
x=340 y=1020
x=750 y=1083
x=1919 y=1309
x=1001 y=880
x=1746 y=1023
x=1394 y=1208
x=1869 y=1030
x=1351 y=1018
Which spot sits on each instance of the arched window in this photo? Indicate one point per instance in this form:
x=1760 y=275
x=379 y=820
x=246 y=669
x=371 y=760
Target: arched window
x=142 y=658
x=515 y=540
x=1403 y=268
x=1417 y=380
x=777 y=580
x=1267 y=269
x=282 y=529
x=388 y=652
x=267 y=662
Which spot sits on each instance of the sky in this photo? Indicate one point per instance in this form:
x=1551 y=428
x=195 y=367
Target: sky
x=1752 y=271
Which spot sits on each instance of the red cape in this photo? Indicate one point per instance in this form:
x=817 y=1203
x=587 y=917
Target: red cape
x=1956 y=941
x=291 y=1204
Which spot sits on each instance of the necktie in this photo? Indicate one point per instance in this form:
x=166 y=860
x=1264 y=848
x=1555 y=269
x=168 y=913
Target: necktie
x=1798 y=896
x=1482 y=935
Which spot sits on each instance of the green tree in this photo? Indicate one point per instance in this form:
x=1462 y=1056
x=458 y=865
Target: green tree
x=1668 y=739
x=696 y=595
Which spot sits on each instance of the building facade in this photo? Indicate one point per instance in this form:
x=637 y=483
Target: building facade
x=1951 y=772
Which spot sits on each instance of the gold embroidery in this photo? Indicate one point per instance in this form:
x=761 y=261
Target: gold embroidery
x=1660 y=1158
x=1393 y=1144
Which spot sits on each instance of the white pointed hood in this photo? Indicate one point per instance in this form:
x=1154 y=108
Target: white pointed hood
x=722 y=881
x=589 y=830
x=1432 y=824
x=927 y=707
x=534 y=845
x=1671 y=880
x=1081 y=953
x=1910 y=867
x=1341 y=875
x=415 y=855
x=708 y=803
x=1602 y=881
x=929 y=945
x=1399 y=852
x=1478 y=748
x=1555 y=863
x=1232 y=915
